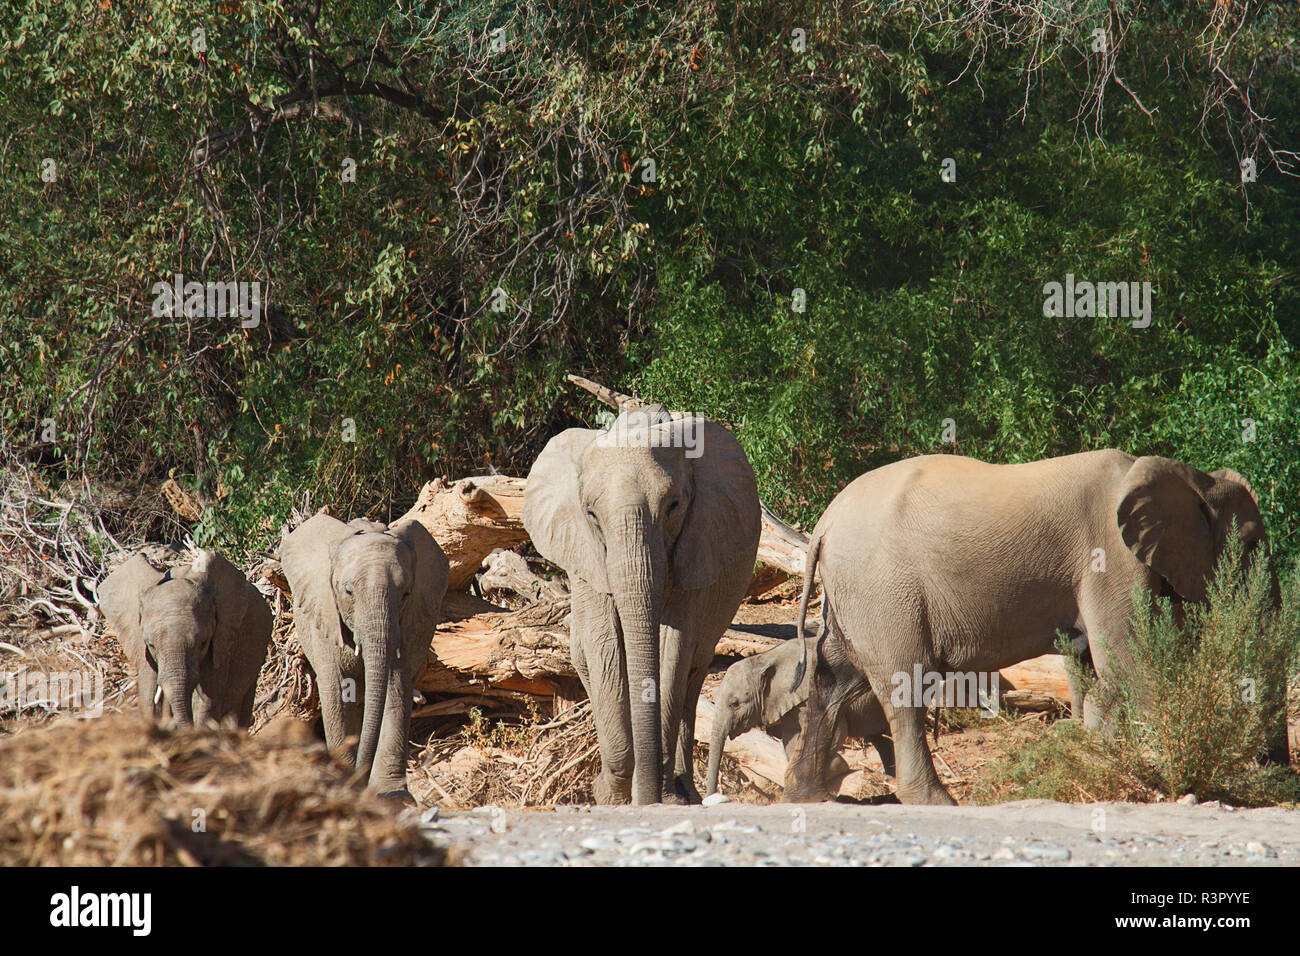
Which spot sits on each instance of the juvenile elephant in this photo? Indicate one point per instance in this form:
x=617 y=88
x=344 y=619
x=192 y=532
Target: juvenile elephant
x=757 y=691
x=366 y=600
x=200 y=632
x=656 y=522
x=953 y=564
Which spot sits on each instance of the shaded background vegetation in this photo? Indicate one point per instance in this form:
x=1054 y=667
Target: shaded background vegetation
x=521 y=169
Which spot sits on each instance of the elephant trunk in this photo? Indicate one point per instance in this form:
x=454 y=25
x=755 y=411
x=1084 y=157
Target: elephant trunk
x=717 y=740
x=179 y=688
x=377 y=639
x=640 y=571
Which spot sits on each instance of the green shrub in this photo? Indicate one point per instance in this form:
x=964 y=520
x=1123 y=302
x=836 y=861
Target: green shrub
x=1205 y=685
x=1062 y=761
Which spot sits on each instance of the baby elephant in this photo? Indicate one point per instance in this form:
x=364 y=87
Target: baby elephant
x=199 y=632
x=757 y=691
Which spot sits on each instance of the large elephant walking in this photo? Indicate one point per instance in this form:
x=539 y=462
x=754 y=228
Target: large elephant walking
x=956 y=565
x=656 y=522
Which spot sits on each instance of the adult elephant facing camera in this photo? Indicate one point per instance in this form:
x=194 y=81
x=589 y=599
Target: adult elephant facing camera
x=366 y=600
x=656 y=522
x=956 y=565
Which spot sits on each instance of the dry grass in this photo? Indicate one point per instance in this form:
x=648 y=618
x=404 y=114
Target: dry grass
x=122 y=791
x=519 y=764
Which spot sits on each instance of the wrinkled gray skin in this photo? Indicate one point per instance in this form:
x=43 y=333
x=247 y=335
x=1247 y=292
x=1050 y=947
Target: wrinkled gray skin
x=757 y=692
x=958 y=565
x=366 y=600
x=199 y=631
x=659 y=548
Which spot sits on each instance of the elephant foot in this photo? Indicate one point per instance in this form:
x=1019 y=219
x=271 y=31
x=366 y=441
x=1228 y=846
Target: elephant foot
x=608 y=789
x=683 y=787
x=935 y=795
x=806 y=795
x=399 y=795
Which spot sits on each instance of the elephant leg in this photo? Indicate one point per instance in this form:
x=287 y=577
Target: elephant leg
x=885 y=748
x=341 y=689
x=684 y=765
x=675 y=659
x=699 y=618
x=917 y=780
x=598 y=658
x=388 y=772
x=805 y=774
x=146 y=680
x=329 y=688
x=1107 y=629
x=244 y=715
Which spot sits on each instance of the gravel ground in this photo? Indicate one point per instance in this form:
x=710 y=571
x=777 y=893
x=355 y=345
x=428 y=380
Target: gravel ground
x=1027 y=833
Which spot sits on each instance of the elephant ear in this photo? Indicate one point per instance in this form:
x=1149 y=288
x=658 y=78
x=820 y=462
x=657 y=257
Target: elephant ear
x=723 y=519
x=774 y=685
x=423 y=608
x=120 y=597
x=306 y=555
x=230 y=600
x=1164 y=520
x=1227 y=474
x=553 y=513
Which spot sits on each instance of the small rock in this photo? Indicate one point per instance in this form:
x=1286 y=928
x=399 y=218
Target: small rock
x=713 y=799
x=1057 y=854
x=1004 y=853
x=1188 y=800
x=685 y=828
x=1255 y=848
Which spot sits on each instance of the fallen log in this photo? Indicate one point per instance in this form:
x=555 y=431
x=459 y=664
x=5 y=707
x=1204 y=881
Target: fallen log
x=470 y=519
x=781 y=545
x=482 y=653
x=508 y=571
x=1040 y=683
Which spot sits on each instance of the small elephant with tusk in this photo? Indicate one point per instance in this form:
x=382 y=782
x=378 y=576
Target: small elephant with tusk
x=760 y=691
x=366 y=600
x=196 y=634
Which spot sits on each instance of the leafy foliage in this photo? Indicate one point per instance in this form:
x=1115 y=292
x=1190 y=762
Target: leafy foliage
x=1195 y=700
x=500 y=157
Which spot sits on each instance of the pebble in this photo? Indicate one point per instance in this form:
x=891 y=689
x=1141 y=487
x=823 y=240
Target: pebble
x=1188 y=800
x=1053 y=854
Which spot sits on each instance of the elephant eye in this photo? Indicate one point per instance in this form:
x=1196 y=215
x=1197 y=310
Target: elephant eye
x=347 y=589
x=673 y=507
x=591 y=514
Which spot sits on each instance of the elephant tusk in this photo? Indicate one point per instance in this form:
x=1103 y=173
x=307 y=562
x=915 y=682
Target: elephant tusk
x=157 y=694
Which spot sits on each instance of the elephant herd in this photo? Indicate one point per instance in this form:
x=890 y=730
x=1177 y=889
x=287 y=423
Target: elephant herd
x=938 y=563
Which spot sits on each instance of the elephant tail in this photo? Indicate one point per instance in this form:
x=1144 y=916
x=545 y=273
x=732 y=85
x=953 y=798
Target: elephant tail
x=809 y=575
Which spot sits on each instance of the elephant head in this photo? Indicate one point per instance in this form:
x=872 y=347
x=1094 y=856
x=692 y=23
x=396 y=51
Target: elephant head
x=372 y=590
x=1176 y=520
x=178 y=626
x=650 y=504
x=756 y=691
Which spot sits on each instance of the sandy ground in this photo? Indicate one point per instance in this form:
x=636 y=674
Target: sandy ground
x=1030 y=832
